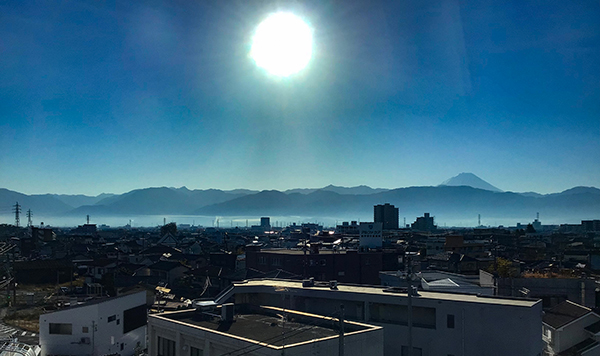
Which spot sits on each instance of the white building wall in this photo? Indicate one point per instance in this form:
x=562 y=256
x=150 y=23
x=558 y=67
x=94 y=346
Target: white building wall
x=104 y=337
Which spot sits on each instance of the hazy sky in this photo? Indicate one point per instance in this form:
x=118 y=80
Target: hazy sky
x=103 y=97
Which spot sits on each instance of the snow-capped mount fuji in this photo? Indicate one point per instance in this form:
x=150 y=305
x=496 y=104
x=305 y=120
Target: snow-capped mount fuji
x=470 y=180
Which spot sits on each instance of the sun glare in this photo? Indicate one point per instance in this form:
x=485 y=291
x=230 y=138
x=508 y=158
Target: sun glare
x=282 y=44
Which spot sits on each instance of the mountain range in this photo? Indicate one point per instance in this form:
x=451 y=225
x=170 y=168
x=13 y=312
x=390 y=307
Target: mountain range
x=460 y=197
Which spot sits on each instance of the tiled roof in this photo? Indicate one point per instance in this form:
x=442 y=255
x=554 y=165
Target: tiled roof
x=564 y=313
x=165 y=265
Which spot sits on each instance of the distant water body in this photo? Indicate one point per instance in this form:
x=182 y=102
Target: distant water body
x=158 y=220
x=243 y=221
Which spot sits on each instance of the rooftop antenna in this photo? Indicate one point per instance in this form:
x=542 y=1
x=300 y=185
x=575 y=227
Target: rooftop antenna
x=478 y=219
x=88 y=219
x=164 y=221
x=537 y=216
x=17 y=210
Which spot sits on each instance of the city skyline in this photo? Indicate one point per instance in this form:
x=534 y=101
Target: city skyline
x=104 y=98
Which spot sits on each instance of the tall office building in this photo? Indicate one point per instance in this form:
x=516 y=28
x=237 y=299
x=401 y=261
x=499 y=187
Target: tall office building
x=265 y=222
x=386 y=214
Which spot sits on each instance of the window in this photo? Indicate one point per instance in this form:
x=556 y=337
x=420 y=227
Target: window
x=276 y=261
x=450 y=321
x=196 y=352
x=262 y=260
x=122 y=346
x=165 y=347
x=61 y=329
x=134 y=318
x=85 y=330
x=112 y=318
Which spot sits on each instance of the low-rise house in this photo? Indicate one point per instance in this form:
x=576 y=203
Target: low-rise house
x=570 y=329
x=43 y=271
x=168 y=271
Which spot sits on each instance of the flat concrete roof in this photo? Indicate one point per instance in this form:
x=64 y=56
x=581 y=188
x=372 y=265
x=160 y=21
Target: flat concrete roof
x=258 y=327
x=379 y=291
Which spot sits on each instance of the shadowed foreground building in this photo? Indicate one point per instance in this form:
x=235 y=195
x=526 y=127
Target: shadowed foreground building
x=443 y=323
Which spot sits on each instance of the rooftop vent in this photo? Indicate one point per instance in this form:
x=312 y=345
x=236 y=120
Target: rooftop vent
x=227 y=311
x=308 y=282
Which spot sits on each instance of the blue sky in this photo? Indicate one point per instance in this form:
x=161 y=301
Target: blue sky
x=103 y=97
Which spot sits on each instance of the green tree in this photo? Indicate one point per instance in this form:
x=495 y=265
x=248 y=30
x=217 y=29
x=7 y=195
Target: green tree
x=503 y=268
x=169 y=228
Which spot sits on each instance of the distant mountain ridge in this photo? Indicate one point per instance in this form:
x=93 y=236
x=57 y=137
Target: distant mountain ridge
x=358 y=190
x=454 y=198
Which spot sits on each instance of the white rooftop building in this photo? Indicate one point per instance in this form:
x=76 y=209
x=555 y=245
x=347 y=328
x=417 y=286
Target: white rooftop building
x=443 y=323
x=99 y=327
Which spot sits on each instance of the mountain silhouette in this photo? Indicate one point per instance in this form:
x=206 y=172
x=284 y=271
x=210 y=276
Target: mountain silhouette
x=469 y=180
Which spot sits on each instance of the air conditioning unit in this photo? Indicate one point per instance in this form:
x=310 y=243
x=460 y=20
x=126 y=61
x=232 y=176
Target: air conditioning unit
x=85 y=340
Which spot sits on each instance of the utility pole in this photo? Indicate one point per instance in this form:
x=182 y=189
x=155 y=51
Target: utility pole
x=409 y=307
x=29 y=216
x=17 y=211
x=341 y=322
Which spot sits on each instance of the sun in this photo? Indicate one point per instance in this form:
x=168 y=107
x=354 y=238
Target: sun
x=282 y=44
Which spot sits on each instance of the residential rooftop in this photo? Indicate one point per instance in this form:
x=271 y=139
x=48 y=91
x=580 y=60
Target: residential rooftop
x=564 y=313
